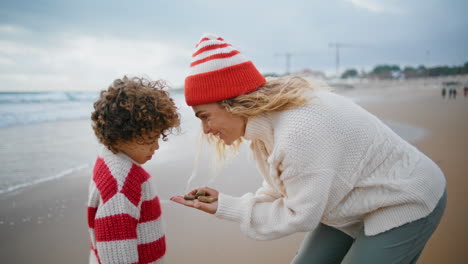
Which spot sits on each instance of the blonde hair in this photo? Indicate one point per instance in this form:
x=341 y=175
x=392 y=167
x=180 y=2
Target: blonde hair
x=276 y=95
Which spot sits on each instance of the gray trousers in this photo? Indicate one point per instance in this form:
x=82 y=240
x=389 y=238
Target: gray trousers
x=404 y=244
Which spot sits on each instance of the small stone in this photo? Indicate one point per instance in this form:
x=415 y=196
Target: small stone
x=207 y=199
x=200 y=193
x=189 y=197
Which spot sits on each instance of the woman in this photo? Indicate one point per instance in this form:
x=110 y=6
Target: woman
x=330 y=168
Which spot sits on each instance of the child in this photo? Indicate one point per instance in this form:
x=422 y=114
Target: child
x=124 y=212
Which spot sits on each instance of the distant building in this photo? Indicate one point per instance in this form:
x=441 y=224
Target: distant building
x=398 y=75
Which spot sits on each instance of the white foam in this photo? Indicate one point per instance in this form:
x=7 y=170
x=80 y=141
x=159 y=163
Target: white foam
x=46 y=179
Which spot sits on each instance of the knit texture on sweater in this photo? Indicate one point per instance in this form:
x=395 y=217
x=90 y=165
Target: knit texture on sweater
x=332 y=162
x=124 y=213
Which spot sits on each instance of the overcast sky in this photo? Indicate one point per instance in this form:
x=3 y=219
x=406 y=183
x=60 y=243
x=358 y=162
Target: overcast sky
x=85 y=44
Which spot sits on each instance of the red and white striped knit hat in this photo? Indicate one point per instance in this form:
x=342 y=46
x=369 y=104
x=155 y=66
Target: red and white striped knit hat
x=218 y=71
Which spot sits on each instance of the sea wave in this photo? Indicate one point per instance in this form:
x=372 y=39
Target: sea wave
x=23 y=108
x=45 y=97
x=45 y=179
x=33 y=113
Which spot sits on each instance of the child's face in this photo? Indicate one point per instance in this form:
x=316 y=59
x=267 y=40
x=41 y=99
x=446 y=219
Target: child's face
x=138 y=152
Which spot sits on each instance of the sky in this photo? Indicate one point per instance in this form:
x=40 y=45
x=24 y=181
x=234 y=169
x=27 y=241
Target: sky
x=84 y=45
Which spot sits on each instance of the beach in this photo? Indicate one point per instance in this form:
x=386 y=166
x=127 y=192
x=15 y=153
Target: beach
x=45 y=222
x=446 y=144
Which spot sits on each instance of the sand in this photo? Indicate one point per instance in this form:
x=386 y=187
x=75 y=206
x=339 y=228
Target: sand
x=446 y=144
x=46 y=223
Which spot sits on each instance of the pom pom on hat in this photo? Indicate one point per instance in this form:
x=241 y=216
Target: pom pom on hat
x=218 y=71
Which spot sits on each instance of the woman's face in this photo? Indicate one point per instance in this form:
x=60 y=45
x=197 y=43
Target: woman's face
x=219 y=122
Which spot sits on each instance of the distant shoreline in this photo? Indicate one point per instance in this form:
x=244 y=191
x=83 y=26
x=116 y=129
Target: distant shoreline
x=435 y=79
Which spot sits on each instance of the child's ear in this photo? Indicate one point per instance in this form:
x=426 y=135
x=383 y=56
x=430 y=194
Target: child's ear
x=119 y=145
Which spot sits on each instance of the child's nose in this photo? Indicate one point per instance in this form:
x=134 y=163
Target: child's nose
x=156 y=146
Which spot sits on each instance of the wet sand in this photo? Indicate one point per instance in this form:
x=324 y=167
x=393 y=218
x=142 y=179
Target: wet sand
x=46 y=223
x=446 y=144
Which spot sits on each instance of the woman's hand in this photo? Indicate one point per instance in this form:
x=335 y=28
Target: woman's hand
x=210 y=208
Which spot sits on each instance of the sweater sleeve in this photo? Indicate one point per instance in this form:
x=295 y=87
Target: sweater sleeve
x=304 y=161
x=266 y=193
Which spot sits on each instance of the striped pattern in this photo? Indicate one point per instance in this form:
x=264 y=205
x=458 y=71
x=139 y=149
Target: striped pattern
x=124 y=213
x=214 y=54
x=218 y=71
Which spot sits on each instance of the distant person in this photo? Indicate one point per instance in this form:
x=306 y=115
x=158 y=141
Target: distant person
x=454 y=93
x=124 y=212
x=444 y=91
x=329 y=167
x=450 y=93
x=465 y=91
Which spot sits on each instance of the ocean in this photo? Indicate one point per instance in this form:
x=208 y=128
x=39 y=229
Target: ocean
x=38 y=107
x=46 y=136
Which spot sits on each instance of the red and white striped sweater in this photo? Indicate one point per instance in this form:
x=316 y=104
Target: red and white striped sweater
x=124 y=213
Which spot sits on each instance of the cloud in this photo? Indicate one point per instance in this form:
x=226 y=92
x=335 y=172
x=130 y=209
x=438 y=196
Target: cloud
x=11 y=29
x=15 y=48
x=6 y=61
x=86 y=62
x=124 y=56
x=378 y=6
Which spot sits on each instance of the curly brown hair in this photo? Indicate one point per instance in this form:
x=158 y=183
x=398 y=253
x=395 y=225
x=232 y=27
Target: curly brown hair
x=134 y=109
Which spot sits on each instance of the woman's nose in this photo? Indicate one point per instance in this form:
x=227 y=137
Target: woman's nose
x=206 y=129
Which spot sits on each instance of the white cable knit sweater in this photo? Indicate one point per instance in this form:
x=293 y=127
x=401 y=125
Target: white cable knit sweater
x=332 y=162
